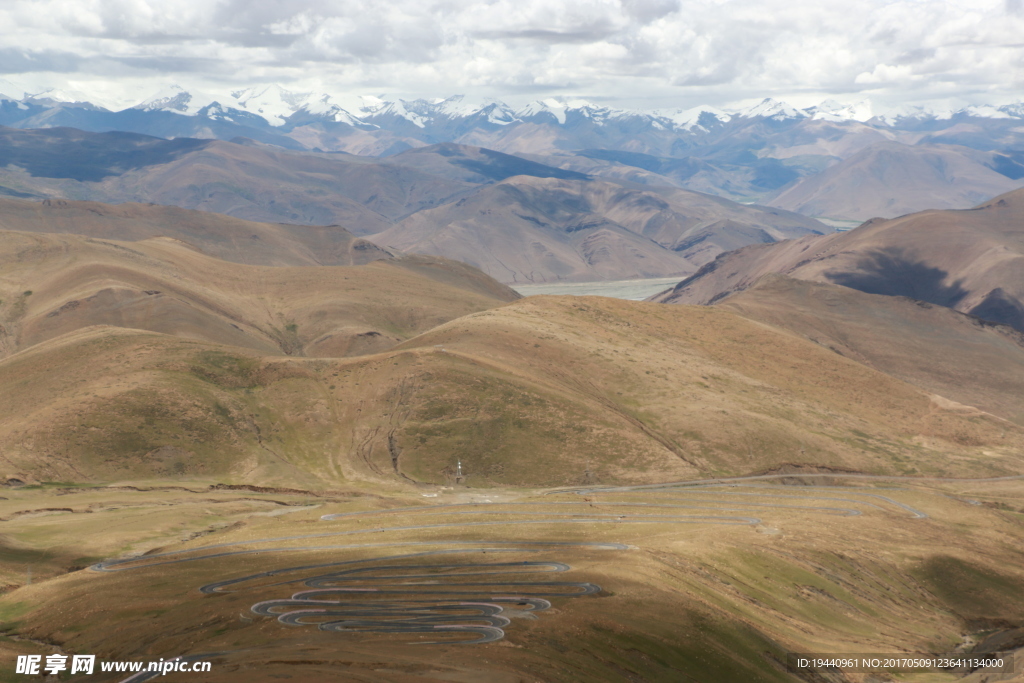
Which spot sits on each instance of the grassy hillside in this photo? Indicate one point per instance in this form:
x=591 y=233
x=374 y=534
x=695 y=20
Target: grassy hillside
x=307 y=420
x=55 y=284
x=641 y=392
x=546 y=391
x=680 y=599
x=970 y=261
x=588 y=229
x=957 y=356
x=224 y=237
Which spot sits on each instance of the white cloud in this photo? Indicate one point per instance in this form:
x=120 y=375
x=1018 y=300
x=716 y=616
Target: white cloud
x=654 y=52
x=886 y=74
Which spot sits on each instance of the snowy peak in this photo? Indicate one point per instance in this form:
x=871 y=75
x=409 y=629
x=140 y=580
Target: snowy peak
x=400 y=110
x=989 y=112
x=322 y=107
x=542 y=110
x=352 y=110
x=906 y=113
x=863 y=111
x=830 y=110
x=696 y=118
x=10 y=92
x=499 y=113
x=494 y=112
x=359 y=106
x=771 y=109
x=424 y=112
x=57 y=98
x=178 y=100
x=596 y=113
x=897 y=115
x=271 y=96
x=272 y=102
x=453 y=107
x=1015 y=110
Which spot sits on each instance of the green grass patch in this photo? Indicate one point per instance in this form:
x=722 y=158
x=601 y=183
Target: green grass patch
x=690 y=646
x=507 y=433
x=226 y=370
x=973 y=591
x=10 y=612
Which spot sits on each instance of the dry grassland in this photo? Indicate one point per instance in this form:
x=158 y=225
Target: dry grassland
x=219 y=412
x=681 y=599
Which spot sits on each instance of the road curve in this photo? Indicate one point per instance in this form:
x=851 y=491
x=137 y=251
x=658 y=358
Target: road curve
x=756 y=477
x=434 y=598
x=688 y=486
x=431 y=509
x=365 y=596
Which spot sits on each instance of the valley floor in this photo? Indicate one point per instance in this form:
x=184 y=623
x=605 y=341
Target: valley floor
x=632 y=290
x=697 y=581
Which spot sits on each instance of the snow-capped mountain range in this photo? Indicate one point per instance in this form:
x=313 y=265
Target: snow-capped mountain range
x=277 y=106
x=375 y=126
x=832 y=159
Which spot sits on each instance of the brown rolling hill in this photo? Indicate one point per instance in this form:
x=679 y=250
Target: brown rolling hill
x=536 y=392
x=588 y=230
x=746 y=184
x=817 y=138
x=577 y=227
x=478 y=165
x=244 y=179
x=152 y=448
x=953 y=355
x=611 y=170
x=891 y=179
x=371 y=143
x=218 y=235
x=271 y=184
x=660 y=392
x=971 y=261
x=52 y=285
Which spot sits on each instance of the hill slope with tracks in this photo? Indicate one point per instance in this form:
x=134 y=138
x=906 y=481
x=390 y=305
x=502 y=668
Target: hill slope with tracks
x=543 y=391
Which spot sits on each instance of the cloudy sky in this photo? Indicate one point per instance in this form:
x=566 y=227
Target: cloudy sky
x=642 y=53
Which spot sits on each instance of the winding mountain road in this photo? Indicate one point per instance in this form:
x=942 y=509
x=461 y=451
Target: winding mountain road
x=468 y=600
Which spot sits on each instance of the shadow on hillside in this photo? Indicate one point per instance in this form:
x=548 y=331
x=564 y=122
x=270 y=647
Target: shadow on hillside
x=1001 y=307
x=88 y=157
x=893 y=272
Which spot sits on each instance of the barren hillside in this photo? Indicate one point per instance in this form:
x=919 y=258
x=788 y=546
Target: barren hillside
x=890 y=179
x=218 y=235
x=51 y=285
x=971 y=261
x=529 y=229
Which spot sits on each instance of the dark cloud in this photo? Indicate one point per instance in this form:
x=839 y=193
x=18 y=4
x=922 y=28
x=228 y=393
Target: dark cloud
x=915 y=56
x=14 y=61
x=170 y=64
x=648 y=10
